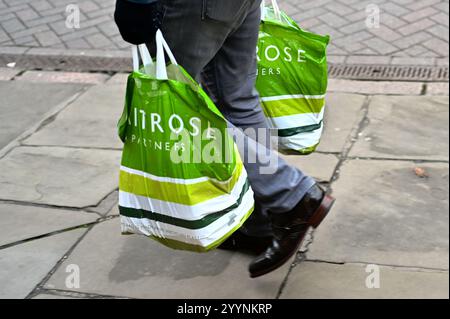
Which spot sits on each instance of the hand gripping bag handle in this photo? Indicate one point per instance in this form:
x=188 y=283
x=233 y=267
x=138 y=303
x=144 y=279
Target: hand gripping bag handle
x=276 y=9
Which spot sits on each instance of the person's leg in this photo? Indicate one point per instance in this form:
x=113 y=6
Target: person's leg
x=230 y=82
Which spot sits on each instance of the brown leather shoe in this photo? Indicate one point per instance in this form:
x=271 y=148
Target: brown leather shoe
x=290 y=229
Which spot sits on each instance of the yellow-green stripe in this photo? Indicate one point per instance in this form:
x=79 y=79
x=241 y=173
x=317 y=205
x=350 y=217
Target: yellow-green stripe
x=191 y=194
x=288 y=107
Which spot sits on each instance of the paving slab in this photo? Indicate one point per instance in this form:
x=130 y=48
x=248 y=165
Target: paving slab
x=7 y=74
x=22 y=267
x=63 y=77
x=118 y=78
x=106 y=205
x=387 y=214
x=413 y=61
x=319 y=166
x=23 y=104
x=327 y=281
x=66 y=177
x=19 y=222
x=405 y=127
x=375 y=87
x=114 y=211
x=135 y=266
x=90 y=121
x=439 y=88
x=442 y=61
x=13 y=50
x=342 y=114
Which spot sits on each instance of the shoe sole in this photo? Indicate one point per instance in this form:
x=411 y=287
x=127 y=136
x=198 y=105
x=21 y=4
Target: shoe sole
x=315 y=221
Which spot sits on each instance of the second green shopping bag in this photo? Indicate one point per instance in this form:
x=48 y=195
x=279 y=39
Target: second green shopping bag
x=292 y=80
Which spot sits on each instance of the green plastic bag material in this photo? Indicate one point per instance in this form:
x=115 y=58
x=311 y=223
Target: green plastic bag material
x=182 y=181
x=292 y=80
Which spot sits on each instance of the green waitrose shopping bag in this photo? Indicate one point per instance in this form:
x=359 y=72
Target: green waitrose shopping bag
x=292 y=80
x=182 y=181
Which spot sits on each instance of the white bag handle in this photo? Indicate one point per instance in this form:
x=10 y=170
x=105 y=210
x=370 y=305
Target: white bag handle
x=134 y=51
x=161 y=48
x=142 y=51
x=276 y=9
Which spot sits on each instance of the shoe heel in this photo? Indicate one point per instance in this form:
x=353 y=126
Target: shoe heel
x=322 y=211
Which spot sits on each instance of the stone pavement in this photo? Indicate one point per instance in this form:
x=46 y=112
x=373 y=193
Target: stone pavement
x=384 y=156
x=409 y=32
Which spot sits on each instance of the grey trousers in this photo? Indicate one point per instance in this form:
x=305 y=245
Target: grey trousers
x=215 y=41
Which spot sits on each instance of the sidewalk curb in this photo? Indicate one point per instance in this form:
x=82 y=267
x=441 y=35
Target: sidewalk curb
x=333 y=59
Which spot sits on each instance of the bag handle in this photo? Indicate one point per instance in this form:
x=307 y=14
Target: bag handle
x=276 y=9
x=162 y=47
x=142 y=52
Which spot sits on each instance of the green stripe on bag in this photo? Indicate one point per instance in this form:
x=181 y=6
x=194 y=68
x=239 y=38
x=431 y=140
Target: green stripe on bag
x=189 y=224
x=288 y=107
x=298 y=130
x=175 y=244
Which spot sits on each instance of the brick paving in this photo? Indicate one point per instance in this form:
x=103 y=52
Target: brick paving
x=409 y=31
